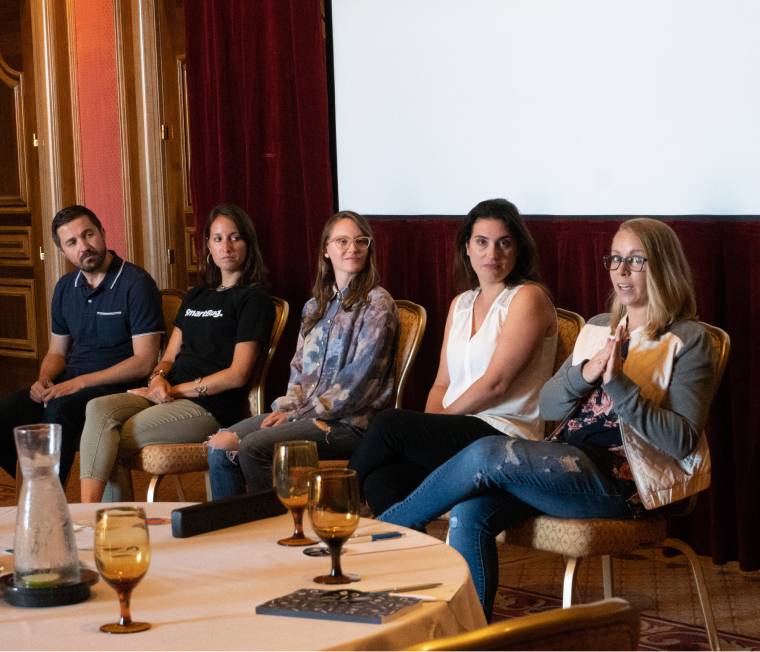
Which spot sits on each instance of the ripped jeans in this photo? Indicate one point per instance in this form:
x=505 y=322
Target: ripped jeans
x=499 y=481
x=251 y=465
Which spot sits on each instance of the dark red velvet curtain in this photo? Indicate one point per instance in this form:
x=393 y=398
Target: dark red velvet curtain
x=257 y=99
x=416 y=261
x=259 y=135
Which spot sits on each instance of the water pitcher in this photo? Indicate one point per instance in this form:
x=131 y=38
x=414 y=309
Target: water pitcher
x=45 y=551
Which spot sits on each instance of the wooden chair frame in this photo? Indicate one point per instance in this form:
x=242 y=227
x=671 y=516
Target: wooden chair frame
x=406 y=353
x=609 y=625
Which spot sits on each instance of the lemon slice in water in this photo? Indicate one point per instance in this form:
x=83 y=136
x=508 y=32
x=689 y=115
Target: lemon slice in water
x=39 y=580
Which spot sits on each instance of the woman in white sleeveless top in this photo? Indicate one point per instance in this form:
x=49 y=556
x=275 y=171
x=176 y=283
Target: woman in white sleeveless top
x=498 y=351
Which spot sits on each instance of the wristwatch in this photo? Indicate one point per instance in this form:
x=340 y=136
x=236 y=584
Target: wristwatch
x=201 y=389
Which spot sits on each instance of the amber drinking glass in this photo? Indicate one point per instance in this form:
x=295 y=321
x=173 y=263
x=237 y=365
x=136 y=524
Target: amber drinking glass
x=122 y=553
x=334 y=514
x=293 y=462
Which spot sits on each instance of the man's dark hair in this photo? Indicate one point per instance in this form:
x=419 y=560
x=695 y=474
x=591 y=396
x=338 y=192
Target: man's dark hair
x=69 y=214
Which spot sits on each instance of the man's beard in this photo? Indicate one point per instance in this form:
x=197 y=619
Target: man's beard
x=94 y=261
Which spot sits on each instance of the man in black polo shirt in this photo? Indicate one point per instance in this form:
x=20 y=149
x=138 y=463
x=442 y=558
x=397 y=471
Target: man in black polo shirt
x=106 y=330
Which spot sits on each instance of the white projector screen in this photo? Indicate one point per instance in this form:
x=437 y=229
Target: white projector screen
x=565 y=107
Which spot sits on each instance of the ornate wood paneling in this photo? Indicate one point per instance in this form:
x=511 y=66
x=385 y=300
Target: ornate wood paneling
x=191 y=259
x=13 y=171
x=16 y=246
x=185 y=132
x=18 y=327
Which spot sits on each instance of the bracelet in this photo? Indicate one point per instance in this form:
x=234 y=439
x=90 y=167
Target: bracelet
x=157 y=372
x=201 y=389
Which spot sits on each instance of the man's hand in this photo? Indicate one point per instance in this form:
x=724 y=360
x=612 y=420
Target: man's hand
x=274 y=419
x=63 y=389
x=39 y=388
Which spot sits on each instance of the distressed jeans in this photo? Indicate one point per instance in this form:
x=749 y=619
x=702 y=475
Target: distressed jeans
x=251 y=464
x=499 y=481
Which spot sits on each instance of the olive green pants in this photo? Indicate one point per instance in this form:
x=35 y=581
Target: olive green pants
x=118 y=426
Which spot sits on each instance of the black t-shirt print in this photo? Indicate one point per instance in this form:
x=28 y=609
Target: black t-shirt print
x=212 y=323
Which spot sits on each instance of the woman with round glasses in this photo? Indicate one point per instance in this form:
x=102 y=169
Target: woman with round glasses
x=498 y=350
x=341 y=375
x=632 y=400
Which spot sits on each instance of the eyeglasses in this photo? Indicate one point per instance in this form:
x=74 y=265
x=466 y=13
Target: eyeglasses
x=632 y=263
x=344 y=242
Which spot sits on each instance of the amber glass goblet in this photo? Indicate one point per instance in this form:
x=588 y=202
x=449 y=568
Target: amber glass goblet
x=122 y=553
x=293 y=462
x=334 y=514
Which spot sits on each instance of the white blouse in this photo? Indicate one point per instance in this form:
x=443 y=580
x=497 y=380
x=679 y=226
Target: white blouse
x=468 y=358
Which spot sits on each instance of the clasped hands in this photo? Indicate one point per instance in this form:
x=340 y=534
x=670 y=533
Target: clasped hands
x=608 y=361
x=44 y=390
x=159 y=391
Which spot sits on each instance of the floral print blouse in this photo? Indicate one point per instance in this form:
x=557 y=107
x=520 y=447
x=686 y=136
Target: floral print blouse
x=344 y=369
x=596 y=431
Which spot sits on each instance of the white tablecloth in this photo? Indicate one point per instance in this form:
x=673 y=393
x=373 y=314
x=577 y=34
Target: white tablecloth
x=201 y=592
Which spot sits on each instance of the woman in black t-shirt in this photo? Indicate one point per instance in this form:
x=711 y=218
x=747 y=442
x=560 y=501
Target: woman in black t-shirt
x=198 y=387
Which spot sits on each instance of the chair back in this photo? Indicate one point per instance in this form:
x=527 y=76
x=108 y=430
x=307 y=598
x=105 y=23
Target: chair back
x=171 y=300
x=569 y=326
x=722 y=343
x=412 y=319
x=255 y=386
x=607 y=625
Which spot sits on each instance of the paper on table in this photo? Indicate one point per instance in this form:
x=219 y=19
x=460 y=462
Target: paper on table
x=411 y=539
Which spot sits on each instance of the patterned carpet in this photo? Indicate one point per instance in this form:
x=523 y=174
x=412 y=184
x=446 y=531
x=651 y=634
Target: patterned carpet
x=656 y=633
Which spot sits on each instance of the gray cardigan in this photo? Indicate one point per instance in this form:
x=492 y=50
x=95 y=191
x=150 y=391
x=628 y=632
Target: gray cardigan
x=662 y=396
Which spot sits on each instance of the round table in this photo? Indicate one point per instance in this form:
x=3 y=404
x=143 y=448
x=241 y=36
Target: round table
x=201 y=592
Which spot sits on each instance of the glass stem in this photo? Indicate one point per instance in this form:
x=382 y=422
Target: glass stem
x=298 y=522
x=336 y=571
x=126 y=613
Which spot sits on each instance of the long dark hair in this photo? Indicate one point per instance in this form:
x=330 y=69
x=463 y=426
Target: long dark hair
x=254 y=270
x=359 y=287
x=526 y=269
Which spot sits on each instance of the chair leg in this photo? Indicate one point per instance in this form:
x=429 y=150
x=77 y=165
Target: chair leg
x=570 y=585
x=699 y=578
x=178 y=487
x=607 y=576
x=153 y=486
x=208 y=486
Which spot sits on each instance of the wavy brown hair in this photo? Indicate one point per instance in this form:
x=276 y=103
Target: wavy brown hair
x=526 y=269
x=670 y=289
x=254 y=270
x=359 y=287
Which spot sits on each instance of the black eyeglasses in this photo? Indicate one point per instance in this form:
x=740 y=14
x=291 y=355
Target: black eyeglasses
x=632 y=263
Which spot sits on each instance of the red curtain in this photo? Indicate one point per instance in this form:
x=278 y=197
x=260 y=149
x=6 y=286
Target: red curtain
x=257 y=100
x=259 y=135
x=416 y=261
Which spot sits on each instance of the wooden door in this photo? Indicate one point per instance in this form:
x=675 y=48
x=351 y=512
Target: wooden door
x=176 y=143
x=23 y=315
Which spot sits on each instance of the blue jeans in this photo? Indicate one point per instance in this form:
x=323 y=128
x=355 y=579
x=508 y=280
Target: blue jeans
x=499 y=481
x=229 y=473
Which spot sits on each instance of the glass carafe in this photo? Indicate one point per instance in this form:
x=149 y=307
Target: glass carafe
x=45 y=551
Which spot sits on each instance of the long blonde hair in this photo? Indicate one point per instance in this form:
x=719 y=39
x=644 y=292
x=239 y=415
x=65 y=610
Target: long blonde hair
x=359 y=287
x=670 y=290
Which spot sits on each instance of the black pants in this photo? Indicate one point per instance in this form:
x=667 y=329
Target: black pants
x=402 y=447
x=18 y=409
